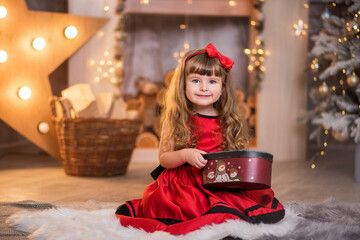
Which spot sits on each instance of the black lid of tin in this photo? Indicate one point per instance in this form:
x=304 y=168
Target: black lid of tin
x=239 y=154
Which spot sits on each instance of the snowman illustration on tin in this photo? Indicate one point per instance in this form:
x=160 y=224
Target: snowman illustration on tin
x=234 y=175
x=221 y=175
x=211 y=176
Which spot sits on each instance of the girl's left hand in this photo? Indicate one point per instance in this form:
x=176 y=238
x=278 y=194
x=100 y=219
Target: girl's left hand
x=194 y=157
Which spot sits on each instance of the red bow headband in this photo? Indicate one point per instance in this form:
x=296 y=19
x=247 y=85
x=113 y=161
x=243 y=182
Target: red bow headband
x=213 y=52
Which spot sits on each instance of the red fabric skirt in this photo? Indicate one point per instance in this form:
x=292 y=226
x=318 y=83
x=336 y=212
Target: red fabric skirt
x=178 y=203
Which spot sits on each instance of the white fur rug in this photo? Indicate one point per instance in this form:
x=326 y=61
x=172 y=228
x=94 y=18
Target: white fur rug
x=67 y=223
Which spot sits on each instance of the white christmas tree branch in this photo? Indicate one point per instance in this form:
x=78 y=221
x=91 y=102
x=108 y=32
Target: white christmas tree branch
x=355 y=6
x=338 y=66
x=345 y=103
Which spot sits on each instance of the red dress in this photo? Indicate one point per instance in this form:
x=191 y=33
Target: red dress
x=176 y=202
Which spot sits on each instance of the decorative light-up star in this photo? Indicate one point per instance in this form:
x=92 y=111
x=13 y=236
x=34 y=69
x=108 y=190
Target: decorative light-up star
x=28 y=67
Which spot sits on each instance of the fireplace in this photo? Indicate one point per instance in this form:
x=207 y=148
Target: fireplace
x=154 y=35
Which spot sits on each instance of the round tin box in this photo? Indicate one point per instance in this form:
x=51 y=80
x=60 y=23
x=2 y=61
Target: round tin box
x=238 y=169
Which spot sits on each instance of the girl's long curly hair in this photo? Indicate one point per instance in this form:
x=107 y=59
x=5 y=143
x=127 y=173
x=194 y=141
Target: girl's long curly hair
x=176 y=113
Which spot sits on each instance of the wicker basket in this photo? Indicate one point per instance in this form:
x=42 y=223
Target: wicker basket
x=94 y=146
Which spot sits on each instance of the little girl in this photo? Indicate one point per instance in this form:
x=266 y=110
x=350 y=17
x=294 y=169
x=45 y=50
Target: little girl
x=200 y=116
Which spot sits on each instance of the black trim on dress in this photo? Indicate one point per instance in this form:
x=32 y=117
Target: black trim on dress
x=253 y=208
x=206 y=116
x=272 y=217
x=123 y=210
x=132 y=208
x=157 y=171
x=223 y=209
x=275 y=203
x=168 y=221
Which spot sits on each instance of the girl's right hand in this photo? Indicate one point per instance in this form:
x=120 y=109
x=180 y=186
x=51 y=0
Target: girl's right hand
x=194 y=157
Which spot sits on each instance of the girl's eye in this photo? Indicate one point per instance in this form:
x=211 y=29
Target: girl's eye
x=212 y=81
x=195 y=80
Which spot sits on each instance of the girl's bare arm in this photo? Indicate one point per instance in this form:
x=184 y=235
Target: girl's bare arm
x=169 y=158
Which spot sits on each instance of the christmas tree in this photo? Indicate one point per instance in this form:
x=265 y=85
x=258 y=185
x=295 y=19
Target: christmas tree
x=334 y=62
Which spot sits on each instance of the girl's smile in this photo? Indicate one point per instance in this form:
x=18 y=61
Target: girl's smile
x=203 y=91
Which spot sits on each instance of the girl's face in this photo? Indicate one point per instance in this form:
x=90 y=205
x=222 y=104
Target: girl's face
x=203 y=91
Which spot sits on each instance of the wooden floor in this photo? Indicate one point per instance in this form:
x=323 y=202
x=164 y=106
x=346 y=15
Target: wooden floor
x=29 y=174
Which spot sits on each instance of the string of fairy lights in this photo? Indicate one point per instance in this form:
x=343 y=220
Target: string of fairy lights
x=107 y=68
x=257 y=53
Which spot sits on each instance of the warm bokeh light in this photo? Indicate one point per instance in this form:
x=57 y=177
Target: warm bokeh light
x=101 y=34
x=145 y=2
x=38 y=43
x=119 y=64
x=247 y=51
x=3 y=56
x=3 y=12
x=186 y=45
x=24 y=93
x=70 y=32
x=92 y=62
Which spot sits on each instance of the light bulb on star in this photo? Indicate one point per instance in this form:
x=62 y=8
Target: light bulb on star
x=3 y=12
x=3 y=56
x=70 y=32
x=24 y=93
x=43 y=127
x=38 y=43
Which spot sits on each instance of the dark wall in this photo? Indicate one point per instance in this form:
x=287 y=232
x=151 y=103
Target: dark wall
x=335 y=148
x=58 y=79
x=46 y=5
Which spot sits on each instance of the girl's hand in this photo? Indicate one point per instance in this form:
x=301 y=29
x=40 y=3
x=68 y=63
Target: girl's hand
x=194 y=157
